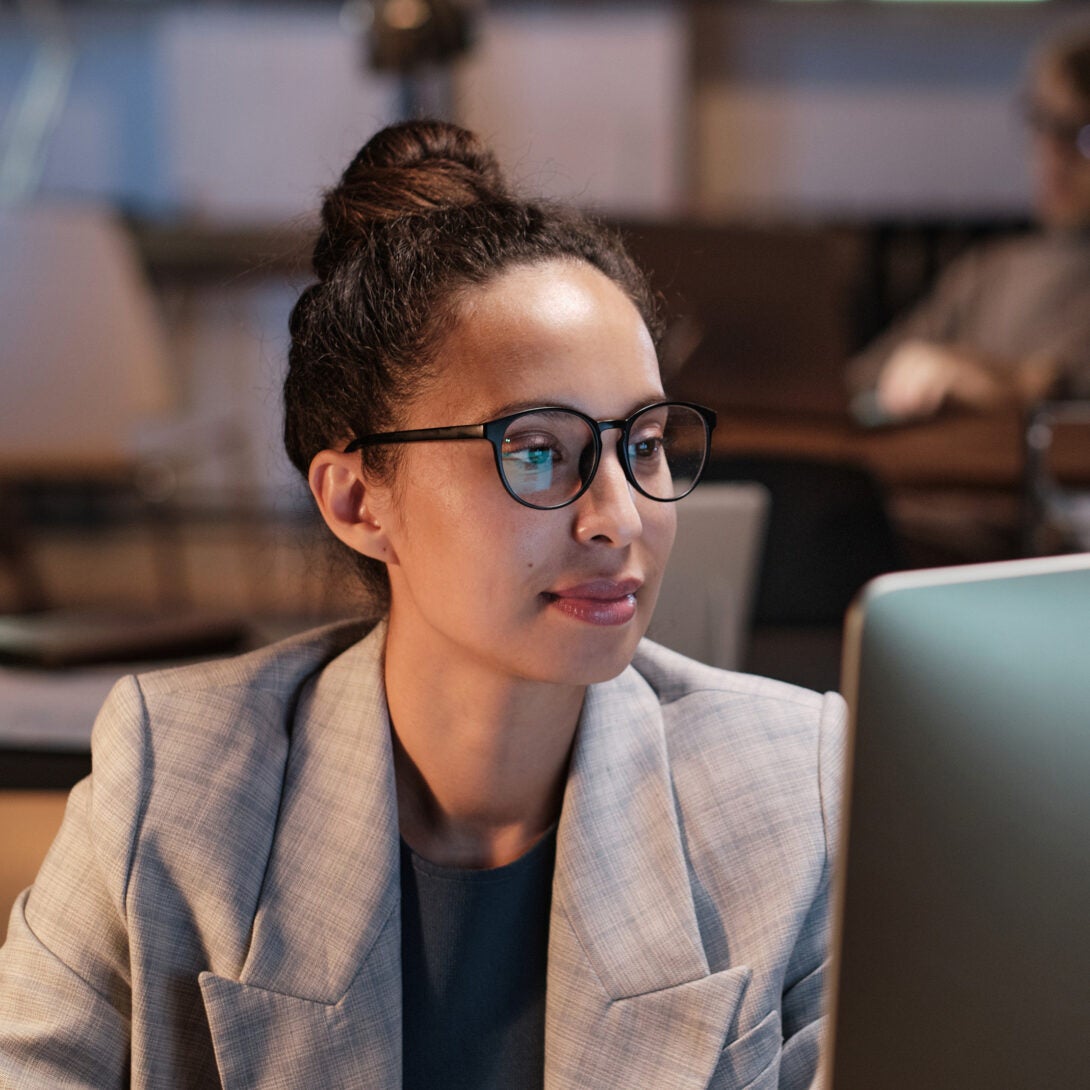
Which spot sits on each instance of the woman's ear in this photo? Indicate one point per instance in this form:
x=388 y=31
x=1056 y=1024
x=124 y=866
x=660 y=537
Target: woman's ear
x=350 y=505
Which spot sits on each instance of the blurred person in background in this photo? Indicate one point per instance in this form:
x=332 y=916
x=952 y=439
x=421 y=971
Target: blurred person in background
x=1008 y=323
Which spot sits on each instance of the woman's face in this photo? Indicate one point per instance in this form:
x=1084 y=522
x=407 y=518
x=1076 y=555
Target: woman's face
x=1060 y=120
x=561 y=595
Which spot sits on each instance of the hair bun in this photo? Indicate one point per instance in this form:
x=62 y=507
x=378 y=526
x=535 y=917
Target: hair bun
x=406 y=169
x=425 y=144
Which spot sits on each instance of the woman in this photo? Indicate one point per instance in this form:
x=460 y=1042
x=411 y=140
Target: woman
x=1008 y=323
x=470 y=845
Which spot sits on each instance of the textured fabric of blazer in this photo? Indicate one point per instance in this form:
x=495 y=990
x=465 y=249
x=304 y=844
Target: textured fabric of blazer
x=221 y=905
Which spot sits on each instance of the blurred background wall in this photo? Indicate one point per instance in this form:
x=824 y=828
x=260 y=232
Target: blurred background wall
x=245 y=110
x=212 y=128
x=234 y=114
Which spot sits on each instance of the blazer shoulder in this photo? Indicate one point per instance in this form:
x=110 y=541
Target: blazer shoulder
x=183 y=754
x=674 y=677
x=205 y=718
x=277 y=667
x=774 y=750
x=720 y=715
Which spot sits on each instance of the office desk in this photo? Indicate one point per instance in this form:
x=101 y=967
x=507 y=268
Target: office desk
x=46 y=715
x=45 y=723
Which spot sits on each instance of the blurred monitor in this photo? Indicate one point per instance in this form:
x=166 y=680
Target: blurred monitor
x=83 y=353
x=963 y=939
x=706 y=599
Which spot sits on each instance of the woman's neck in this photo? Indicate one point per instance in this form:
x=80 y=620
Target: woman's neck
x=480 y=760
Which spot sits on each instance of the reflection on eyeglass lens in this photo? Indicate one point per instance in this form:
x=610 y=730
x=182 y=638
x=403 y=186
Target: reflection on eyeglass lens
x=542 y=455
x=1071 y=132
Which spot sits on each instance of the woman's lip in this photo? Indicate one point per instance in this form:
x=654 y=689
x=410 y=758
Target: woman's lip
x=601 y=590
x=598 y=601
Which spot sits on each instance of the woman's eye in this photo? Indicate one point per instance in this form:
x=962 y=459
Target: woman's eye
x=531 y=444
x=643 y=449
x=532 y=451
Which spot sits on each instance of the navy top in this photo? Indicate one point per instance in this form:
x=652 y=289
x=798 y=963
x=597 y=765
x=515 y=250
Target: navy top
x=473 y=953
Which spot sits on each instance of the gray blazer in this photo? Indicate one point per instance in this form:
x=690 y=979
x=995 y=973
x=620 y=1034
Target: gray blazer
x=221 y=905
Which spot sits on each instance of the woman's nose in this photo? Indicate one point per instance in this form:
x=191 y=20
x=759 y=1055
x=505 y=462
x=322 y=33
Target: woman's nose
x=606 y=513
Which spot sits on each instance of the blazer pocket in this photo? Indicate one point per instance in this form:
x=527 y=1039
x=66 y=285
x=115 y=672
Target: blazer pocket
x=752 y=1061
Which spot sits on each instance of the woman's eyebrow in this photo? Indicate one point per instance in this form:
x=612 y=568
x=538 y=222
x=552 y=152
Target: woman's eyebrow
x=511 y=407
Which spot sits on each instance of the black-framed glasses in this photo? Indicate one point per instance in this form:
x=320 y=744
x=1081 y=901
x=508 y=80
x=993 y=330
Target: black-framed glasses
x=1070 y=132
x=547 y=457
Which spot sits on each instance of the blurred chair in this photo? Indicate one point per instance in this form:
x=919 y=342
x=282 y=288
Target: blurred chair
x=827 y=533
x=1057 y=516
x=707 y=593
x=29 y=820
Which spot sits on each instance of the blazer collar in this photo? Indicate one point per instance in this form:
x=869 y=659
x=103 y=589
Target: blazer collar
x=318 y=1000
x=621 y=877
x=332 y=879
x=626 y=965
x=630 y=1001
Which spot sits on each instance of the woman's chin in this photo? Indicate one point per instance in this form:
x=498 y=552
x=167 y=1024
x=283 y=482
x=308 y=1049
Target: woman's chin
x=591 y=661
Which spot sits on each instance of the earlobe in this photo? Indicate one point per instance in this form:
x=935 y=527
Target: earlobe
x=349 y=504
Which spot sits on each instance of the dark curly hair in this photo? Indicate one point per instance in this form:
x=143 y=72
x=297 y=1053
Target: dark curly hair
x=1068 y=54
x=421 y=215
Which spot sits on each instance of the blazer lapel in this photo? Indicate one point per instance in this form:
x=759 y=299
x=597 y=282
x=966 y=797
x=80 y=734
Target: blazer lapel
x=630 y=1001
x=318 y=1000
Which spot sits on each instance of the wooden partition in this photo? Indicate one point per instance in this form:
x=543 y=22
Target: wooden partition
x=29 y=820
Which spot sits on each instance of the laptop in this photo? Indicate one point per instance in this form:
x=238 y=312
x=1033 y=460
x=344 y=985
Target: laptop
x=962 y=936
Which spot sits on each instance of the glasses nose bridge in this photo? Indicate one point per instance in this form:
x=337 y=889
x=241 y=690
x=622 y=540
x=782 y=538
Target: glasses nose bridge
x=600 y=428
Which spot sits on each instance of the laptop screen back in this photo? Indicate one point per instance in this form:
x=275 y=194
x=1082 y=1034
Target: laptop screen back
x=964 y=913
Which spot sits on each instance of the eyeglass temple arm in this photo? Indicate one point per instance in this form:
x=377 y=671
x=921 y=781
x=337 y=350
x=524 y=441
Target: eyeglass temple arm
x=417 y=435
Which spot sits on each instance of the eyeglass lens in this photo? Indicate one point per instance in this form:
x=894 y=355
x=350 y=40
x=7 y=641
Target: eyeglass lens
x=547 y=457
x=1064 y=130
